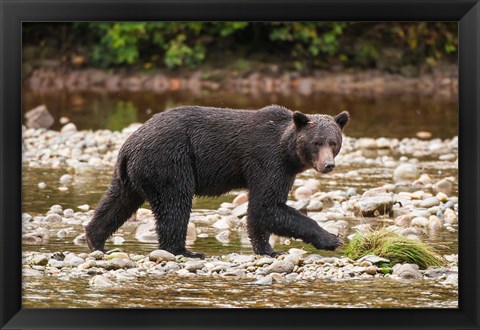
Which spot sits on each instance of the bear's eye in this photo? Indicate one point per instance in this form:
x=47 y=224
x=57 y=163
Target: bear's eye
x=317 y=144
x=333 y=144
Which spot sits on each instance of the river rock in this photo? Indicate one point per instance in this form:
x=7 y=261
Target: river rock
x=434 y=223
x=442 y=197
x=375 y=192
x=445 y=186
x=118 y=240
x=222 y=224
x=264 y=261
x=404 y=220
x=315 y=206
x=419 y=222
x=68 y=128
x=52 y=218
x=161 y=255
x=39 y=117
x=450 y=217
x=407 y=271
x=101 y=281
x=369 y=206
x=280 y=266
x=405 y=172
x=40 y=260
x=66 y=179
x=429 y=202
x=302 y=193
x=372 y=259
x=264 y=280
x=223 y=236
x=117 y=255
x=73 y=260
x=57 y=263
x=193 y=266
x=240 y=199
x=97 y=255
x=240 y=210
x=451 y=279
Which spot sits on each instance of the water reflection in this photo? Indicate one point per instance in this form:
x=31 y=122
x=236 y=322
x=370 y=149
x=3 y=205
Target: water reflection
x=388 y=116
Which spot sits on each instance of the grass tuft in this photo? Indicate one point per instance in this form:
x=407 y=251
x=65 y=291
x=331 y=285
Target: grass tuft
x=395 y=247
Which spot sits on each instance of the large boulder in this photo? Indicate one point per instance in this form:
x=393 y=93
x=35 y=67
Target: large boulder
x=39 y=117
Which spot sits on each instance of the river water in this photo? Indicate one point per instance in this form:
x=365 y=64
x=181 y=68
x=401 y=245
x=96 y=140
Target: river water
x=393 y=117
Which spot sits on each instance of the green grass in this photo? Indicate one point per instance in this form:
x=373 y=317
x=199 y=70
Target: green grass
x=395 y=247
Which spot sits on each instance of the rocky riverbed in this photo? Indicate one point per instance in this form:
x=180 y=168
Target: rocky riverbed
x=404 y=185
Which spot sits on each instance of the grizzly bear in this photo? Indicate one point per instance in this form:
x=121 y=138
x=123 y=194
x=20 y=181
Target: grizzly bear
x=202 y=151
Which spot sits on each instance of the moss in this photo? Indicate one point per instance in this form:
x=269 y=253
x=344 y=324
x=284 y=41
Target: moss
x=395 y=247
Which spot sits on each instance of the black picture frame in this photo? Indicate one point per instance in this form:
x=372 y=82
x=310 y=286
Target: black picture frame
x=14 y=12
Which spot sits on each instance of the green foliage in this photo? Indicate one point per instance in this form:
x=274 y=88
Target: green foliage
x=300 y=45
x=395 y=247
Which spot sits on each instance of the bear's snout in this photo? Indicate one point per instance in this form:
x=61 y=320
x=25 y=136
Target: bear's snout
x=325 y=167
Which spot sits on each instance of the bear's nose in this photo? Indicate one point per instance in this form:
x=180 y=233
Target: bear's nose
x=329 y=166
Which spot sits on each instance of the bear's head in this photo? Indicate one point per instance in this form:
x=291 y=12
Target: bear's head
x=319 y=139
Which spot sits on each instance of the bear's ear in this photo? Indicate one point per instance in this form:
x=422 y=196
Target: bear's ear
x=342 y=119
x=300 y=119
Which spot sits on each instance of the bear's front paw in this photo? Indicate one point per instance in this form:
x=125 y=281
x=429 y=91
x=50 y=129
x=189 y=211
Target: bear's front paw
x=330 y=242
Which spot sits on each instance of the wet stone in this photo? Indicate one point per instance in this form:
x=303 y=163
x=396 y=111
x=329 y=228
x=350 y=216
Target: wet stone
x=161 y=255
x=407 y=271
x=429 y=202
x=280 y=266
x=193 y=266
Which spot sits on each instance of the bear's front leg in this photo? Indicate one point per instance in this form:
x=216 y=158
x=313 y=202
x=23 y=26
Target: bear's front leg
x=285 y=221
x=259 y=239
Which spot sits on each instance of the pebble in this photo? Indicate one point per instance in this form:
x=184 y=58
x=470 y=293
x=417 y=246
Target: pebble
x=442 y=197
x=280 y=266
x=53 y=218
x=193 y=266
x=407 y=271
x=66 y=179
x=240 y=199
x=444 y=186
x=84 y=207
x=42 y=185
x=264 y=280
x=97 y=255
x=450 y=217
x=240 y=210
x=429 y=202
x=68 y=128
x=419 y=222
x=101 y=281
x=118 y=240
x=117 y=255
x=222 y=224
x=405 y=172
x=370 y=205
x=161 y=255
x=303 y=193
x=434 y=223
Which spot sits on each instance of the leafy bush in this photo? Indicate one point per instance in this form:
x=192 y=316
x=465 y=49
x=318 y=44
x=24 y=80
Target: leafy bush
x=302 y=45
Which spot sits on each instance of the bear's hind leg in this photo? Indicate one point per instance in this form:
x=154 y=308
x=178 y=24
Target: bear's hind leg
x=115 y=207
x=171 y=202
